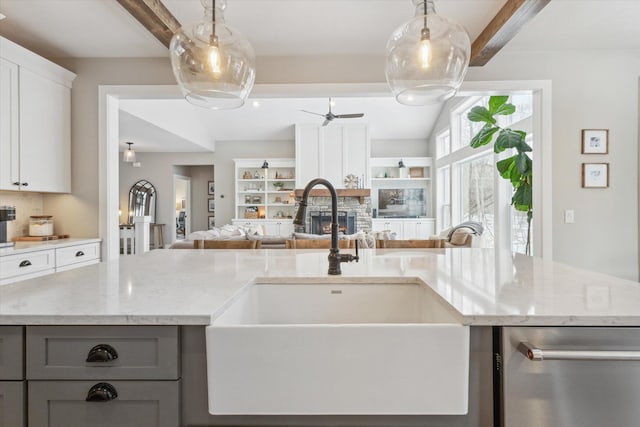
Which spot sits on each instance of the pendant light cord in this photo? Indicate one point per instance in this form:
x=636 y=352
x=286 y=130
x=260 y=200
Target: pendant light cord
x=213 y=20
x=425 y=13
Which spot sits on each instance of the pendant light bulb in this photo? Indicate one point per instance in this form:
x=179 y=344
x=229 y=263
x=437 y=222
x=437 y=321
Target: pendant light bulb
x=427 y=57
x=129 y=155
x=214 y=58
x=214 y=65
x=425 y=49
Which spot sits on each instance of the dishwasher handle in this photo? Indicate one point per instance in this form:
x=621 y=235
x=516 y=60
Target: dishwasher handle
x=537 y=354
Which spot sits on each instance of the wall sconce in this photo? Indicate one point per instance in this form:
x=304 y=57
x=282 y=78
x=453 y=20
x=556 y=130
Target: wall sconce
x=265 y=165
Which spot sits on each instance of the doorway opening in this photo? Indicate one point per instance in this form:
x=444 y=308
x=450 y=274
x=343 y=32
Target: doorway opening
x=182 y=197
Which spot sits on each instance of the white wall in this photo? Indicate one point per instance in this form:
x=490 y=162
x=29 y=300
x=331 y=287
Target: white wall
x=200 y=176
x=591 y=89
x=158 y=169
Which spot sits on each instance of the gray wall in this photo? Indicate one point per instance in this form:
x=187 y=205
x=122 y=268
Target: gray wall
x=591 y=89
x=399 y=147
x=158 y=168
x=588 y=94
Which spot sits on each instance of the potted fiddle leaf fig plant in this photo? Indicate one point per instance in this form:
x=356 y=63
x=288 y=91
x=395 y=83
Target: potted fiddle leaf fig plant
x=518 y=168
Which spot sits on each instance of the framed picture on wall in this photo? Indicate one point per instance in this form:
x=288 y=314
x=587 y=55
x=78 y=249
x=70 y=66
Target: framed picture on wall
x=595 y=141
x=211 y=188
x=595 y=175
x=211 y=205
x=211 y=222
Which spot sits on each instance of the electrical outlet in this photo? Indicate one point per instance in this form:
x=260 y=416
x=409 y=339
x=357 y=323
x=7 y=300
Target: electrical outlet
x=569 y=216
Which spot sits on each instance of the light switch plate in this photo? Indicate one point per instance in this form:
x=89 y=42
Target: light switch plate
x=569 y=216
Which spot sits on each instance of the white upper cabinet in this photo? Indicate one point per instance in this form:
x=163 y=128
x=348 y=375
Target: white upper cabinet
x=332 y=152
x=35 y=122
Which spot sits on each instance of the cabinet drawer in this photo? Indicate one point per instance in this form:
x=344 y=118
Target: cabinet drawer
x=115 y=352
x=27 y=264
x=11 y=353
x=77 y=254
x=12 y=409
x=138 y=403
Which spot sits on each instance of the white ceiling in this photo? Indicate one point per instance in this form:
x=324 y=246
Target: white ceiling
x=102 y=28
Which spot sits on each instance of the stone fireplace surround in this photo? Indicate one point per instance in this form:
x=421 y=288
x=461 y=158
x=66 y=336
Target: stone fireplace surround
x=360 y=205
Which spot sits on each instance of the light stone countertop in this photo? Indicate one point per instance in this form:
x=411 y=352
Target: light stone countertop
x=26 y=247
x=184 y=287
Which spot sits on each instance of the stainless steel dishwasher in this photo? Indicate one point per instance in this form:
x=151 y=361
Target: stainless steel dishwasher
x=570 y=376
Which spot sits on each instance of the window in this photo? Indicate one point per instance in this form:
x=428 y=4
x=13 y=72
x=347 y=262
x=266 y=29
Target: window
x=477 y=202
x=469 y=187
x=443 y=143
x=444 y=197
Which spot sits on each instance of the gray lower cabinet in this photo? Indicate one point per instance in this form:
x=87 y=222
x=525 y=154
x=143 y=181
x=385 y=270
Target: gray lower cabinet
x=11 y=353
x=115 y=403
x=95 y=376
x=12 y=409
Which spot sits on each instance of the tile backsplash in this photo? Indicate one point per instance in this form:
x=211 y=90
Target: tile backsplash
x=26 y=204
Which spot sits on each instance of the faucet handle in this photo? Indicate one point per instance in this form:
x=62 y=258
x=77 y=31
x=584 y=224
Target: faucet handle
x=357 y=257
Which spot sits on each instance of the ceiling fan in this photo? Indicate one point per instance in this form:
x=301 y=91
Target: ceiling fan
x=328 y=118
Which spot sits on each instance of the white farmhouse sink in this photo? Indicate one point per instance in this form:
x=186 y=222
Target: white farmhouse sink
x=320 y=348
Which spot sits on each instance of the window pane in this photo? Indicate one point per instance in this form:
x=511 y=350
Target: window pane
x=519 y=232
x=524 y=109
x=443 y=144
x=444 y=196
x=476 y=194
x=468 y=129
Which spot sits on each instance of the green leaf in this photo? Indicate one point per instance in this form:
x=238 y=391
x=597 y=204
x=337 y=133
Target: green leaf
x=523 y=163
x=524 y=147
x=523 y=197
x=504 y=165
x=481 y=114
x=495 y=102
x=505 y=110
x=484 y=136
x=509 y=139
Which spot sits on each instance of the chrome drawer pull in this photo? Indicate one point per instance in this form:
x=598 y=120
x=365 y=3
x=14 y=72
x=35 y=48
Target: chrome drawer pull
x=102 y=353
x=79 y=253
x=537 y=354
x=25 y=263
x=102 y=392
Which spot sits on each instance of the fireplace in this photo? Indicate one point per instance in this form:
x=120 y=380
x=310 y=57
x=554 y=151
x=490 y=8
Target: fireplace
x=321 y=222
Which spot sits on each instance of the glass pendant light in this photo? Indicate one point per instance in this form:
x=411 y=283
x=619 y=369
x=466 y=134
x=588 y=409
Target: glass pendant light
x=427 y=57
x=213 y=63
x=129 y=156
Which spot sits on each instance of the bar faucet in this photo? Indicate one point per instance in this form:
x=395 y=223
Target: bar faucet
x=335 y=257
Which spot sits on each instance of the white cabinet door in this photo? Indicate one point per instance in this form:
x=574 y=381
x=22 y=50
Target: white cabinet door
x=395 y=226
x=331 y=152
x=278 y=228
x=9 y=126
x=418 y=228
x=45 y=129
x=332 y=160
x=307 y=154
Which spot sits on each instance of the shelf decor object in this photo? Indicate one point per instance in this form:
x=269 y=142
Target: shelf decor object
x=427 y=57
x=213 y=64
x=595 y=141
x=416 y=172
x=595 y=175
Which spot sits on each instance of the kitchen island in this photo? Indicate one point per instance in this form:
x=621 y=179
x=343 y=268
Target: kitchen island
x=178 y=291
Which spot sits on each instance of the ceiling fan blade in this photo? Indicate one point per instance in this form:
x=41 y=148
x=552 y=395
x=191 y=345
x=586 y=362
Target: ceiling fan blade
x=311 y=112
x=349 y=116
x=326 y=122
